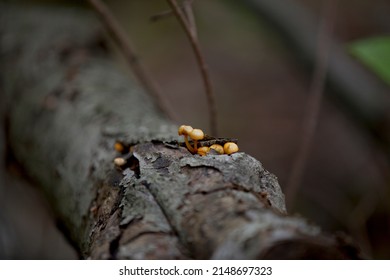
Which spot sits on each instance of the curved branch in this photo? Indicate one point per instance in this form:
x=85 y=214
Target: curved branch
x=191 y=34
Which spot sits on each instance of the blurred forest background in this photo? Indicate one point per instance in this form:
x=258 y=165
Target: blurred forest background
x=261 y=80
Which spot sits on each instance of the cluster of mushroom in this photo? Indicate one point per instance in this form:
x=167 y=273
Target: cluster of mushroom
x=120 y=161
x=196 y=135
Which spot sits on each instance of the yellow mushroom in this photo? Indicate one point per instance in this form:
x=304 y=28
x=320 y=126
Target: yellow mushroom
x=119 y=161
x=230 y=148
x=203 y=151
x=196 y=135
x=118 y=146
x=218 y=148
x=185 y=130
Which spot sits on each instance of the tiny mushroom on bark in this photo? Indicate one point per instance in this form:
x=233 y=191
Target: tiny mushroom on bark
x=185 y=130
x=119 y=161
x=230 y=148
x=118 y=146
x=196 y=134
x=203 y=151
x=217 y=148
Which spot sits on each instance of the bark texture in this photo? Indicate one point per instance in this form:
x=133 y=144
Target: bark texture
x=68 y=104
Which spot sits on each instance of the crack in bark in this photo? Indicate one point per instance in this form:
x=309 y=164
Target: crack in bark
x=174 y=230
x=114 y=246
x=262 y=197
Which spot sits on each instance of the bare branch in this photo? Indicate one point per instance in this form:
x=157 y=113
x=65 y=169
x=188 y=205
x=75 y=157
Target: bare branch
x=126 y=46
x=201 y=63
x=314 y=103
x=187 y=8
x=161 y=15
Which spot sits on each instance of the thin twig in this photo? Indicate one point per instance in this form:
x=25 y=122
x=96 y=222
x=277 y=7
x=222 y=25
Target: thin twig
x=161 y=15
x=187 y=7
x=125 y=45
x=314 y=103
x=169 y=13
x=201 y=63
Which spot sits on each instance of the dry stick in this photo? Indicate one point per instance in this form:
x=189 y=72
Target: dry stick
x=314 y=104
x=187 y=7
x=124 y=43
x=201 y=63
x=161 y=15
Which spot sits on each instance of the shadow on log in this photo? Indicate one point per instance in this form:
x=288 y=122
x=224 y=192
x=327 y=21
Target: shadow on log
x=68 y=104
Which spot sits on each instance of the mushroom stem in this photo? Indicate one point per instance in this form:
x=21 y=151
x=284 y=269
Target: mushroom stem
x=185 y=130
x=189 y=147
x=195 y=146
x=196 y=135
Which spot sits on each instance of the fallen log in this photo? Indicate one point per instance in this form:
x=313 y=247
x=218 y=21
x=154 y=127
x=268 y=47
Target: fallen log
x=68 y=104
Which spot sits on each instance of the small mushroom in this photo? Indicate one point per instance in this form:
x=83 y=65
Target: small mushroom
x=119 y=161
x=185 y=130
x=217 y=148
x=230 y=148
x=203 y=150
x=118 y=146
x=196 y=135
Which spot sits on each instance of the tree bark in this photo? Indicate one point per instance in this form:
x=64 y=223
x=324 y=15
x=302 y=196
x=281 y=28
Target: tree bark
x=67 y=104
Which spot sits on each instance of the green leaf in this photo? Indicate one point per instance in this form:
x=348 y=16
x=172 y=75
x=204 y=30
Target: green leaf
x=375 y=54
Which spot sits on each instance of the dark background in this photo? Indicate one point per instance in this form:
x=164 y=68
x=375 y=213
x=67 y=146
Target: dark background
x=262 y=86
